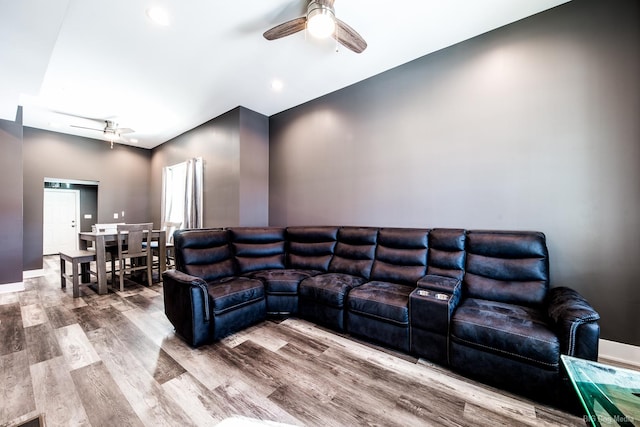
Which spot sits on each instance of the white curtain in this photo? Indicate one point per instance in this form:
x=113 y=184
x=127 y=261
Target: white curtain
x=182 y=193
x=193 y=194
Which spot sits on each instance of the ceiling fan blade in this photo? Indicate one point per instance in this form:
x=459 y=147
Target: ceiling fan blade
x=348 y=37
x=84 y=127
x=286 y=29
x=64 y=113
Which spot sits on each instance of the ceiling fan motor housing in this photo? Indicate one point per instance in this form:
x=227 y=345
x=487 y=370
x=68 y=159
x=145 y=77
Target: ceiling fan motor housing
x=320 y=7
x=110 y=126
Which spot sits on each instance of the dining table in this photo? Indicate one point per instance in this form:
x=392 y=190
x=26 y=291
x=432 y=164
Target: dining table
x=100 y=240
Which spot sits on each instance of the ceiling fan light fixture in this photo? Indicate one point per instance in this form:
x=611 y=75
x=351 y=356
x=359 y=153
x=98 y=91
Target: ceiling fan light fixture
x=321 y=20
x=111 y=137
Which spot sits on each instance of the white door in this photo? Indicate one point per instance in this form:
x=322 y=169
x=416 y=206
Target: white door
x=61 y=220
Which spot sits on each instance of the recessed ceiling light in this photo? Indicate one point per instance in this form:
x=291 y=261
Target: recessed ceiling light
x=134 y=140
x=277 y=85
x=158 y=15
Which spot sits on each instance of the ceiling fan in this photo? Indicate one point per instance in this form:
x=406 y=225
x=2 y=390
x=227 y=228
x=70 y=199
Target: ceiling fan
x=111 y=130
x=320 y=21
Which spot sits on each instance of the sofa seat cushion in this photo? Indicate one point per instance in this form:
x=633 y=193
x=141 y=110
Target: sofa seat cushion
x=281 y=281
x=329 y=289
x=382 y=300
x=233 y=292
x=513 y=331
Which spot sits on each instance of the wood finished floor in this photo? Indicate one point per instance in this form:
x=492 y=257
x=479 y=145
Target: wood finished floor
x=113 y=360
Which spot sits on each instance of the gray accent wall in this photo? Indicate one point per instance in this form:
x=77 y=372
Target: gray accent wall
x=11 y=201
x=532 y=126
x=235 y=151
x=254 y=169
x=123 y=175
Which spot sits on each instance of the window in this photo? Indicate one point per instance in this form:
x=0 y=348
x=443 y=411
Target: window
x=182 y=193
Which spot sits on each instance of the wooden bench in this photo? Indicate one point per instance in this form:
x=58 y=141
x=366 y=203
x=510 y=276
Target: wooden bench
x=76 y=258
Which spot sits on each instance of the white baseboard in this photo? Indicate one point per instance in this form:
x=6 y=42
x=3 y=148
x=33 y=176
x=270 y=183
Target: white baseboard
x=11 y=287
x=619 y=352
x=30 y=274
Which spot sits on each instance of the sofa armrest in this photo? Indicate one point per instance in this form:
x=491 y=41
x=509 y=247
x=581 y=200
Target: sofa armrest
x=576 y=322
x=186 y=304
x=434 y=301
x=440 y=285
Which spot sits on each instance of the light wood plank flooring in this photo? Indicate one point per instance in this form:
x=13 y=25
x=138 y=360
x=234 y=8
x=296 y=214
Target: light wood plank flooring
x=114 y=360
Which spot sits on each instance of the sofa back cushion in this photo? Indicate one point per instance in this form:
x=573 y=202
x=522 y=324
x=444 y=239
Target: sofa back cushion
x=401 y=255
x=258 y=248
x=354 y=251
x=204 y=253
x=311 y=248
x=446 y=252
x=507 y=266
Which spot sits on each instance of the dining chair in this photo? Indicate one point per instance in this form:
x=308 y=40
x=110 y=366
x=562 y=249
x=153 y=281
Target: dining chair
x=134 y=244
x=169 y=228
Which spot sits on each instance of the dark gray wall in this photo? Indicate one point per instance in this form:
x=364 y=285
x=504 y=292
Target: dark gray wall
x=532 y=126
x=123 y=175
x=11 y=201
x=235 y=151
x=254 y=168
x=88 y=205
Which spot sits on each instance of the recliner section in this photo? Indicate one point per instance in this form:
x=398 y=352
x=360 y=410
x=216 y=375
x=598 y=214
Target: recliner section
x=323 y=297
x=478 y=301
x=502 y=315
x=379 y=309
x=214 y=300
x=260 y=255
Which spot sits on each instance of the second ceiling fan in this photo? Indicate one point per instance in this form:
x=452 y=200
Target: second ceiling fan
x=321 y=20
x=111 y=130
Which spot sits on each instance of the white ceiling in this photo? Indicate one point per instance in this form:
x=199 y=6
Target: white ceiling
x=106 y=59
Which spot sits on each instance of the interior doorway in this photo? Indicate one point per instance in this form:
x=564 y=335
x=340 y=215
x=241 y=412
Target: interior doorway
x=61 y=217
x=69 y=206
